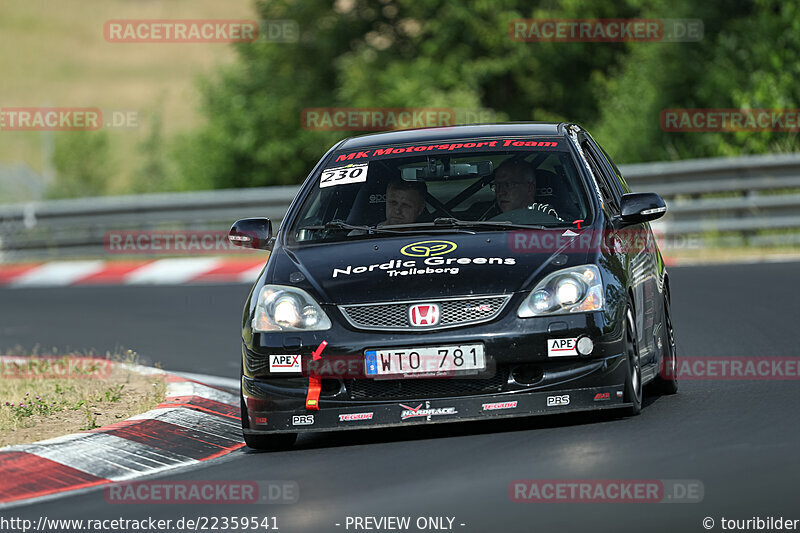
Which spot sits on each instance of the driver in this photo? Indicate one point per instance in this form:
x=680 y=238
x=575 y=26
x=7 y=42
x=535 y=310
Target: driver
x=515 y=188
x=405 y=201
x=514 y=185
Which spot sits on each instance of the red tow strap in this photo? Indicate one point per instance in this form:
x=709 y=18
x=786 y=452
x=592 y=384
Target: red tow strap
x=315 y=381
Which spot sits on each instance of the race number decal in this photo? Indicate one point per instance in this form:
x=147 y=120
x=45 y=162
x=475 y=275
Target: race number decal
x=344 y=175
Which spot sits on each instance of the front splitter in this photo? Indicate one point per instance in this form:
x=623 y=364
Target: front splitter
x=437 y=411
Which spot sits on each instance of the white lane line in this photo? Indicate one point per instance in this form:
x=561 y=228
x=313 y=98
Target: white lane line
x=214 y=381
x=105 y=456
x=169 y=271
x=699 y=262
x=219 y=426
x=57 y=273
x=141 y=369
x=250 y=275
x=188 y=388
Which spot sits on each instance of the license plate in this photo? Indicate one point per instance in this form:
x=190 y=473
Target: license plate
x=430 y=361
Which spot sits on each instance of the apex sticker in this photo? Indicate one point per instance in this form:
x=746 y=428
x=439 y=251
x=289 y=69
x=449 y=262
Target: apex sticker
x=284 y=363
x=562 y=347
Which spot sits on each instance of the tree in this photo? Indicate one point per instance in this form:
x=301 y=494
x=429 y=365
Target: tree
x=393 y=53
x=428 y=53
x=749 y=58
x=83 y=164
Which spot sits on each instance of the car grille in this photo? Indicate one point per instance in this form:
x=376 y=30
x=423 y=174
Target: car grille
x=424 y=388
x=453 y=312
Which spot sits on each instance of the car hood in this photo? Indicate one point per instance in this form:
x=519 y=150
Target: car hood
x=418 y=267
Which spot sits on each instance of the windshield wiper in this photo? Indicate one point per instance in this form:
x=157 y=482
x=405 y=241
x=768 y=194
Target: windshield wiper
x=397 y=229
x=501 y=224
x=339 y=224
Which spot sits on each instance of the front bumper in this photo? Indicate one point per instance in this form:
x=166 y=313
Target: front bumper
x=439 y=411
x=276 y=406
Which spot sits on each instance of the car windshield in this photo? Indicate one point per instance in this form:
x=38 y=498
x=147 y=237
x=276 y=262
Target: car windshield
x=458 y=186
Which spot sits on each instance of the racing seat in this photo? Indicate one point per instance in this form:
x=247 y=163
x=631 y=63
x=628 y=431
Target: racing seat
x=553 y=190
x=369 y=206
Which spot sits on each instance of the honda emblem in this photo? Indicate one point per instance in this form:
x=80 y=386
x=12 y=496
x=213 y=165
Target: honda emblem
x=423 y=315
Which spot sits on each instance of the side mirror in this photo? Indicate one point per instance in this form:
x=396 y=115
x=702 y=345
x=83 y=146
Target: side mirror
x=253 y=233
x=639 y=207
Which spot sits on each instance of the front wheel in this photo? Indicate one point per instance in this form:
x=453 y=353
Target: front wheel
x=667 y=380
x=633 y=381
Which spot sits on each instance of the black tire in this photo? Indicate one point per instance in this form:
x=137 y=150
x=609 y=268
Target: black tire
x=666 y=381
x=633 y=380
x=274 y=442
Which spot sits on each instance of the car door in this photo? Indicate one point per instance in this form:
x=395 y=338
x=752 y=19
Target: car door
x=638 y=244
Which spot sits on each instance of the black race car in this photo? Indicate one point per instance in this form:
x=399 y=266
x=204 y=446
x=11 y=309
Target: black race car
x=445 y=274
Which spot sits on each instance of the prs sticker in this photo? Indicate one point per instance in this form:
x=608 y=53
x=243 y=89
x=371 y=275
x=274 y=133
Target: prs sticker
x=351 y=173
x=303 y=420
x=555 y=401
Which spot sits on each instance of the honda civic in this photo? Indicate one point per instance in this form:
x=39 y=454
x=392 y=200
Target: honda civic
x=436 y=275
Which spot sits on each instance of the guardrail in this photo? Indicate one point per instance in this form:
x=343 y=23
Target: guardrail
x=77 y=228
x=758 y=188
x=747 y=195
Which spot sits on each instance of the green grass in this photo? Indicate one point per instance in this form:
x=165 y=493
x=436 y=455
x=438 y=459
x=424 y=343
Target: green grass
x=55 y=54
x=44 y=397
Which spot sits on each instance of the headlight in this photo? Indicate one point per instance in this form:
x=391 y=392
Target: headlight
x=282 y=308
x=571 y=290
x=568 y=291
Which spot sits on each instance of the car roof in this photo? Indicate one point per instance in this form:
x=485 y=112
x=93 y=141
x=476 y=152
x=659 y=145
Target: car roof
x=510 y=129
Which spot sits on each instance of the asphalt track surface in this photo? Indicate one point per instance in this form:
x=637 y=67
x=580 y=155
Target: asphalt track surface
x=739 y=438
